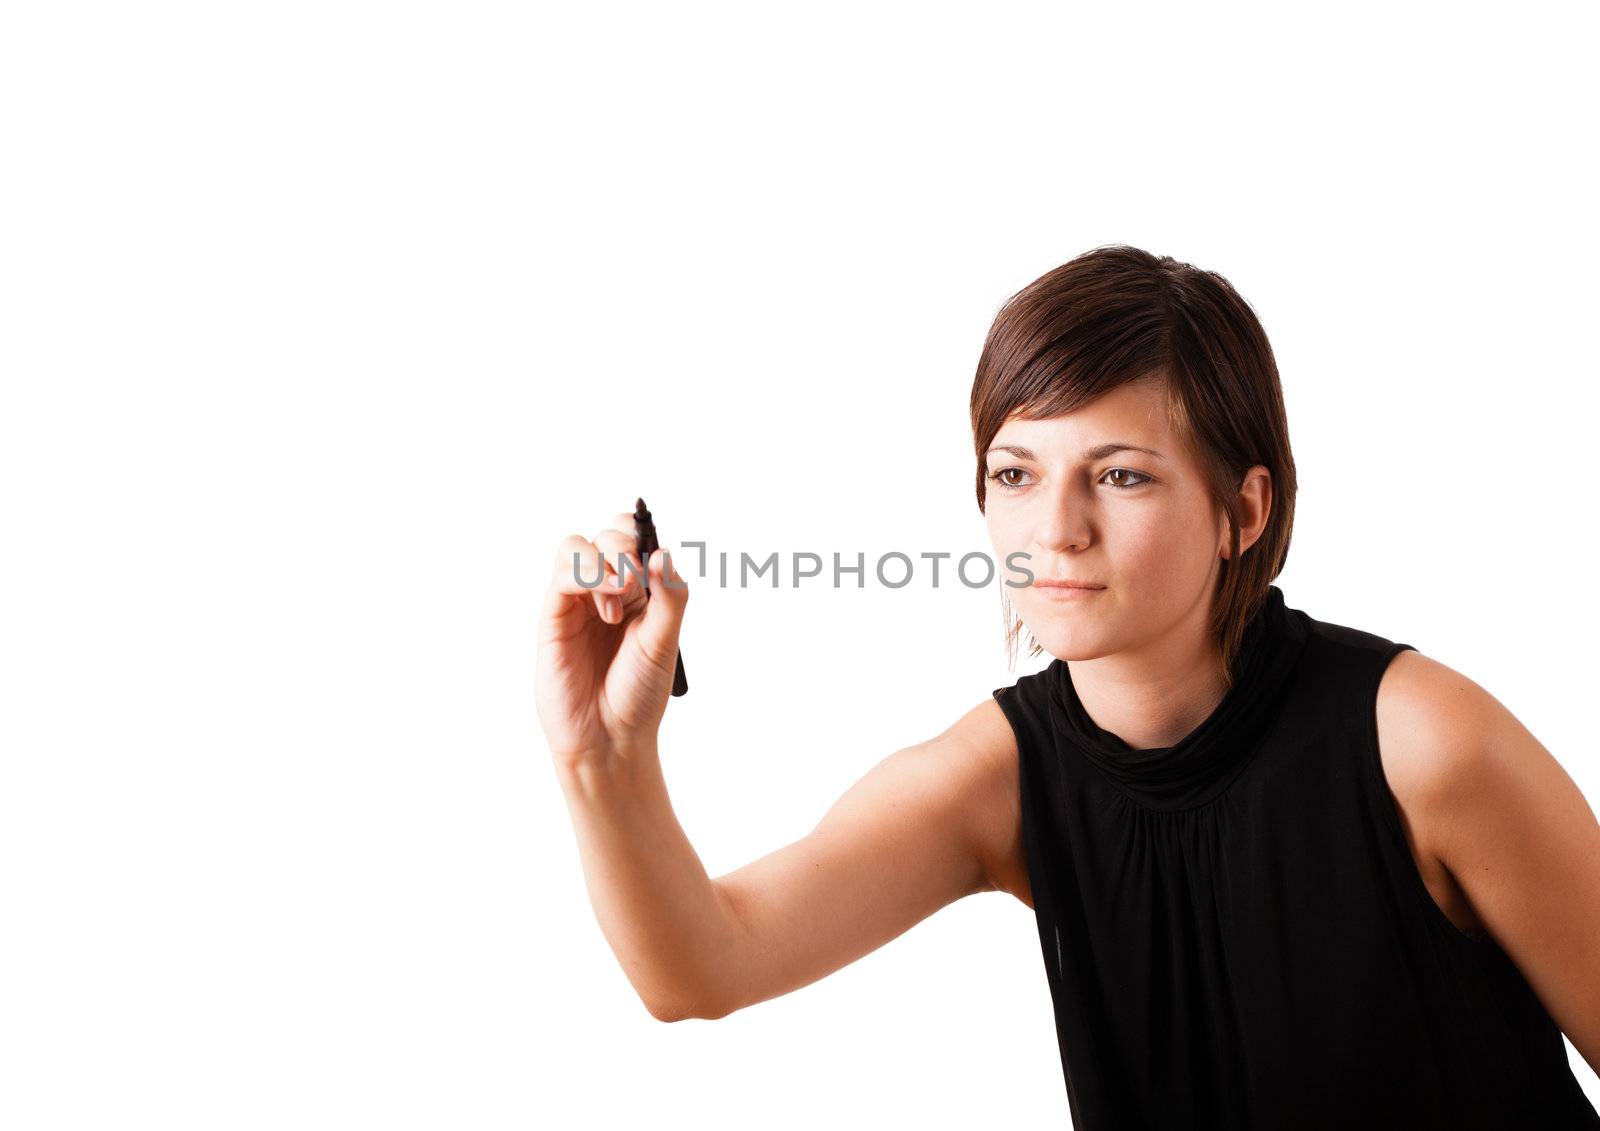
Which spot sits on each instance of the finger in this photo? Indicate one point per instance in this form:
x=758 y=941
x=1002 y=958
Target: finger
x=626 y=579
x=663 y=615
x=621 y=553
x=582 y=575
x=622 y=522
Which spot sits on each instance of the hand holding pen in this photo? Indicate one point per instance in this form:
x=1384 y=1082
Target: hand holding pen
x=608 y=658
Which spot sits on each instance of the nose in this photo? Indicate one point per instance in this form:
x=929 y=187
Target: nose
x=1063 y=521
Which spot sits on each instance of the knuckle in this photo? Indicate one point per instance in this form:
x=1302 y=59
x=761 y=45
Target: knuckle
x=571 y=544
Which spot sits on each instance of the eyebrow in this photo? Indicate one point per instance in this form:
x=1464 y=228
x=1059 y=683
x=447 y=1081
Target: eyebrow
x=1099 y=451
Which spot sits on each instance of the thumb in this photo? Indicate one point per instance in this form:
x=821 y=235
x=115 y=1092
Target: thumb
x=663 y=613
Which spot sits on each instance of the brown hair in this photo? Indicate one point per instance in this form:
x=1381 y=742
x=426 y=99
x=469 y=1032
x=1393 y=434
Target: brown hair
x=1117 y=314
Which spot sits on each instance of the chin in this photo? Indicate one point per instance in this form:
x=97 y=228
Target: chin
x=1062 y=642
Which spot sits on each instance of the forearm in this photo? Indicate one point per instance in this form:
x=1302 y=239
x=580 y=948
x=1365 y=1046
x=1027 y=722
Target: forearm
x=659 y=910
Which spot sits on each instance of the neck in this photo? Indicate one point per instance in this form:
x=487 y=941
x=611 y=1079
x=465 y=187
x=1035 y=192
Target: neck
x=1154 y=695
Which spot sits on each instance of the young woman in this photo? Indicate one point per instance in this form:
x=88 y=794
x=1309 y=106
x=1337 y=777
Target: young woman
x=1285 y=873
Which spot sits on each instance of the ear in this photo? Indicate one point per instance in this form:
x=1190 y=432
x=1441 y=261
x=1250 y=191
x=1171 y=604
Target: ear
x=1255 y=504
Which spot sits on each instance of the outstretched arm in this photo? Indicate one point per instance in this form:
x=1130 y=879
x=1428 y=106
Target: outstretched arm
x=927 y=825
x=924 y=827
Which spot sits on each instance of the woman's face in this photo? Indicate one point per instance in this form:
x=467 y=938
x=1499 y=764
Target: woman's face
x=1083 y=507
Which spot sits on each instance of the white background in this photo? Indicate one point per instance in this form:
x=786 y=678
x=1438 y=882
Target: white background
x=323 y=323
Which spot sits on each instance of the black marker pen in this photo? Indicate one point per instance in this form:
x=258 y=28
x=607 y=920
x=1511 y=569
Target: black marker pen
x=644 y=533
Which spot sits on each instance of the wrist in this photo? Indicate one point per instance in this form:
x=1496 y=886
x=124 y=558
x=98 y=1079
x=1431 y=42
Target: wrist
x=608 y=772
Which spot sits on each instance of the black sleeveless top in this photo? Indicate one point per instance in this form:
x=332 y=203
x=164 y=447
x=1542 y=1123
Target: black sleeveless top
x=1234 y=930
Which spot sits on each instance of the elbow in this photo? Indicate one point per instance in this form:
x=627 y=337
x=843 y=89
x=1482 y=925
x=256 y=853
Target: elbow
x=670 y=1011
x=665 y=1009
x=664 y=1012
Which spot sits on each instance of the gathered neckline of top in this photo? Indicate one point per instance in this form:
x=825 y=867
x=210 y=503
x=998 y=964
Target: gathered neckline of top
x=1199 y=766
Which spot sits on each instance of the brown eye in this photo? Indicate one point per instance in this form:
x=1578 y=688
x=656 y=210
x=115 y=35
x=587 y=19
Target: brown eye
x=1139 y=475
x=1000 y=477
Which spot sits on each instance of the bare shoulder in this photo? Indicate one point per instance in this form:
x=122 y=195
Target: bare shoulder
x=1423 y=707
x=984 y=744
x=1433 y=723
x=1498 y=817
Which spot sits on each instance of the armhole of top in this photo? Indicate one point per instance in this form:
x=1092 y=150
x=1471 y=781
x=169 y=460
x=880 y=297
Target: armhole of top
x=1026 y=788
x=1391 y=810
